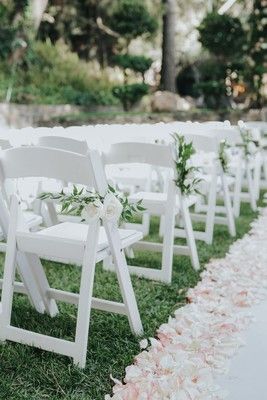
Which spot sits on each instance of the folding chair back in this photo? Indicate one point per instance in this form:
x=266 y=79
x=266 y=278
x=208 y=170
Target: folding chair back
x=141 y=153
x=32 y=161
x=63 y=143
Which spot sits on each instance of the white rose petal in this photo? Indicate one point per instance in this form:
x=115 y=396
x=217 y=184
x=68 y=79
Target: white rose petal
x=92 y=211
x=143 y=344
x=187 y=182
x=252 y=148
x=112 y=208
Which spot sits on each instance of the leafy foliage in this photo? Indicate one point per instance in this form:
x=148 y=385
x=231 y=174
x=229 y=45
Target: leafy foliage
x=249 y=145
x=132 y=18
x=7 y=32
x=222 y=35
x=223 y=157
x=186 y=179
x=75 y=22
x=136 y=63
x=257 y=49
x=73 y=203
x=130 y=94
x=55 y=75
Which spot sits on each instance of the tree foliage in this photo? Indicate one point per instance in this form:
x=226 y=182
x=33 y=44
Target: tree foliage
x=130 y=94
x=257 y=47
x=132 y=19
x=135 y=63
x=222 y=35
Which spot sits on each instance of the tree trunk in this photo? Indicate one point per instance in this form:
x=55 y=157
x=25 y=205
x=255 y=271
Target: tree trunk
x=168 y=68
x=37 y=10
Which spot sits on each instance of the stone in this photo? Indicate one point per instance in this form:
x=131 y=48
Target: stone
x=164 y=101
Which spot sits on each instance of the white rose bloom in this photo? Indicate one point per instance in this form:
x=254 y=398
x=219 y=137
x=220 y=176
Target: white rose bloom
x=252 y=148
x=187 y=182
x=112 y=208
x=92 y=211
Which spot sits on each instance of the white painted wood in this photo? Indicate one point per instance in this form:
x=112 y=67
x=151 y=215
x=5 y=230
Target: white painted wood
x=63 y=143
x=252 y=194
x=57 y=241
x=23 y=264
x=228 y=206
x=50 y=163
x=162 y=204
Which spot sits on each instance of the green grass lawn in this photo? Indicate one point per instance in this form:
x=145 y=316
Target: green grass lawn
x=32 y=374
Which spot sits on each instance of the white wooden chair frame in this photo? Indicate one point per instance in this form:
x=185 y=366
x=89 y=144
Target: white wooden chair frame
x=160 y=156
x=207 y=144
x=87 y=170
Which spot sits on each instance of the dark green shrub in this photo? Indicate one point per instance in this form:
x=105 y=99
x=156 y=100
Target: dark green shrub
x=135 y=63
x=132 y=18
x=130 y=94
x=222 y=35
x=7 y=33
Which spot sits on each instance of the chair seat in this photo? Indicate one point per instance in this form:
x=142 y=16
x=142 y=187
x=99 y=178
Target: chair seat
x=32 y=220
x=72 y=238
x=156 y=202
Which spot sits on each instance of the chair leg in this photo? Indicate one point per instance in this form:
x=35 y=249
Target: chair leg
x=123 y=274
x=168 y=243
x=9 y=272
x=161 y=226
x=145 y=224
x=26 y=272
x=209 y=228
x=228 y=206
x=189 y=235
x=257 y=175
x=85 y=298
x=37 y=271
x=237 y=192
x=253 y=203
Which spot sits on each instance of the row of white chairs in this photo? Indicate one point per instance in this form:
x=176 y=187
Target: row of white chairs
x=72 y=161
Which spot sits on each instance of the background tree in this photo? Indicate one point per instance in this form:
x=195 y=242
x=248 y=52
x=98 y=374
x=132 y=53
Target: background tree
x=80 y=24
x=257 y=48
x=225 y=39
x=168 y=68
x=138 y=64
x=37 y=10
x=131 y=20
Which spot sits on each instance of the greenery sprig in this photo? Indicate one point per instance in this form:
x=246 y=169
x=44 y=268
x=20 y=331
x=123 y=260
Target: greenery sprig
x=223 y=157
x=249 y=145
x=186 y=179
x=77 y=202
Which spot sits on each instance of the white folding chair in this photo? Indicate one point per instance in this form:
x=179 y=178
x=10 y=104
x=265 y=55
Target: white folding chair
x=214 y=182
x=72 y=243
x=245 y=171
x=168 y=204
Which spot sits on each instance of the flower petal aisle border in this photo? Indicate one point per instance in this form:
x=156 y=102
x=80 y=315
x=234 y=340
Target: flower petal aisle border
x=200 y=339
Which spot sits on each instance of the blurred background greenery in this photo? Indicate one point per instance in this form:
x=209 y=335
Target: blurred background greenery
x=110 y=52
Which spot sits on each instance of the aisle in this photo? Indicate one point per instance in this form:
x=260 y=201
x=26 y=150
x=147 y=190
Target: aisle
x=247 y=377
x=225 y=311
